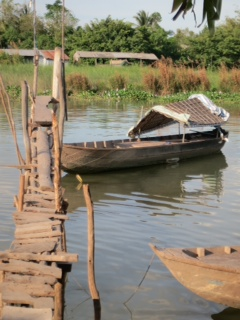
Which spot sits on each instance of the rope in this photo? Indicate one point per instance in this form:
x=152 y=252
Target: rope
x=139 y=285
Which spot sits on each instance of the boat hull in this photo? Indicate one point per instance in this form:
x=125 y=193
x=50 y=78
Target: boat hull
x=215 y=277
x=122 y=154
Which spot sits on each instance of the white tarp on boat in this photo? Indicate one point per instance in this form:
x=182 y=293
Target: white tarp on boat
x=179 y=117
x=211 y=106
x=158 y=114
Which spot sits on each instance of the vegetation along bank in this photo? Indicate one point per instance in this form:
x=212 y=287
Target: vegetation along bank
x=189 y=62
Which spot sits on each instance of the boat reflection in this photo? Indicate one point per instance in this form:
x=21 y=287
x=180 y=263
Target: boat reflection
x=192 y=178
x=227 y=314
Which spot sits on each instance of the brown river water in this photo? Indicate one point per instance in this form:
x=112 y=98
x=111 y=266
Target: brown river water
x=190 y=204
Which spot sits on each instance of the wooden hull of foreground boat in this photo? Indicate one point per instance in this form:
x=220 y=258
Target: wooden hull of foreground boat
x=103 y=156
x=212 y=273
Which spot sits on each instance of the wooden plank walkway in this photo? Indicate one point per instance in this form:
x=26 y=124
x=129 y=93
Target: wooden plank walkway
x=33 y=270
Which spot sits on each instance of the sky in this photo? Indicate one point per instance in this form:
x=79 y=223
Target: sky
x=89 y=10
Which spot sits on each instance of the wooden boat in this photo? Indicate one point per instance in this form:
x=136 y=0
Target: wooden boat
x=211 y=273
x=99 y=156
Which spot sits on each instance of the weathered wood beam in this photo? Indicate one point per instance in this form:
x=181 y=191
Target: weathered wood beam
x=59 y=257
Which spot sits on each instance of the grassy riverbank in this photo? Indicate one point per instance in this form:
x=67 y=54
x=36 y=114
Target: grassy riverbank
x=163 y=84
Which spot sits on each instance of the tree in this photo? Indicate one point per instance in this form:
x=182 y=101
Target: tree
x=144 y=19
x=211 y=10
x=53 y=18
x=106 y=35
x=211 y=51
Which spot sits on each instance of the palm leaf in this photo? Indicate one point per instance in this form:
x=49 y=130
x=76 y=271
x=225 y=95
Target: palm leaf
x=177 y=4
x=211 y=10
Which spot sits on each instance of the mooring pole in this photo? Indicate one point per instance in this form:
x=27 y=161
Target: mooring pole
x=91 y=249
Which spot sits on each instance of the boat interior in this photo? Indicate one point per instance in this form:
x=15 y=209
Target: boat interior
x=149 y=141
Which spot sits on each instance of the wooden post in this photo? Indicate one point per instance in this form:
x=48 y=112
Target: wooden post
x=58 y=305
x=183 y=137
x=57 y=158
x=201 y=252
x=35 y=76
x=91 y=248
x=44 y=161
x=63 y=107
x=1 y=302
x=58 y=89
x=227 y=249
x=21 y=193
x=56 y=71
x=25 y=121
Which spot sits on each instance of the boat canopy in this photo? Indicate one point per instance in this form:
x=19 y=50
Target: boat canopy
x=197 y=111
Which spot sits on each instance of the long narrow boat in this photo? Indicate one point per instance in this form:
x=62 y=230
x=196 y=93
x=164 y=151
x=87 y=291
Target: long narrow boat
x=137 y=151
x=211 y=273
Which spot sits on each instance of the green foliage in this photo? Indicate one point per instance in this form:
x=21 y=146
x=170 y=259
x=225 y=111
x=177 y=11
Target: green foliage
x=184 y=47
x=7 y=59
x=14 y=91
x=53 y=18
x=148 y=20
x=130 y=93
x=106 y=35
x=211 y=51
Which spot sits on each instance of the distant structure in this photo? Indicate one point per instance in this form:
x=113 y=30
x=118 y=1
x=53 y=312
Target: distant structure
x=118 y=56
x=46 y=57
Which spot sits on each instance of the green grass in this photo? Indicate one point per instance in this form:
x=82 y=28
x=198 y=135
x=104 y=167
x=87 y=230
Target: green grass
x=101 y=77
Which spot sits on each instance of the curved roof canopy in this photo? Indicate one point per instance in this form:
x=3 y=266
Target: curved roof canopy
x=192 y=112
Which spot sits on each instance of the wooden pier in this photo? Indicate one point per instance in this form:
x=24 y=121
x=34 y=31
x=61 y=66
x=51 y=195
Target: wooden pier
x=33 y=270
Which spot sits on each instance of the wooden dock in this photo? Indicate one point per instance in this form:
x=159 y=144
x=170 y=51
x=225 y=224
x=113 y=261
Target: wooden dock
x=33 y=270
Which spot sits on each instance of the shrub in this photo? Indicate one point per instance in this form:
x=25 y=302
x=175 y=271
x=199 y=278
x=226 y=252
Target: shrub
x=77 y=82
x=204 y=81
x=118 y=81
x=8 y=59
x=151 y=82
x=167 y=75
x=229 y=79
x=224 y=79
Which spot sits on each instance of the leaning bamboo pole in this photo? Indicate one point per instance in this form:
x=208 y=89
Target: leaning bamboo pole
x=8 y=111
x=25 y=121
x=91 y=249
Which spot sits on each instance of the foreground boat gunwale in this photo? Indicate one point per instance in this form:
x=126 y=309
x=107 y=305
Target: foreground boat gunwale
x=110 y=155
x=168 y=254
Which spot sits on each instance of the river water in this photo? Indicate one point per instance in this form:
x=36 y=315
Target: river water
x=193 y=203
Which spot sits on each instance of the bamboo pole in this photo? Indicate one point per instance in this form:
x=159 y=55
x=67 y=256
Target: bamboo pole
x=8 y=110
x=56 y=72
x=58 y=305
x=91 y=248
x=57 y=170
x=25 y=121
x=21 y=192
x=63 y=107
x=35 y=75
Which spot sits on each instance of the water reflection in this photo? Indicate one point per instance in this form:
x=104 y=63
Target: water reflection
x=165 y=183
